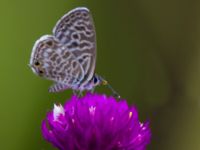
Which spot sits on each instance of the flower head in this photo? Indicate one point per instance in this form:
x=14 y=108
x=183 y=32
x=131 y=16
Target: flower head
x=95 y=122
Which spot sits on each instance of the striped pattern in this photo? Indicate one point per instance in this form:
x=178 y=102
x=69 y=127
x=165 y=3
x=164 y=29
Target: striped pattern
x=57 y=87
x=68 y=57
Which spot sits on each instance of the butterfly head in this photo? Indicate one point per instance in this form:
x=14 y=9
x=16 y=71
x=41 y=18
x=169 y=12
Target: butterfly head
x=98 y=80
x=102 y=81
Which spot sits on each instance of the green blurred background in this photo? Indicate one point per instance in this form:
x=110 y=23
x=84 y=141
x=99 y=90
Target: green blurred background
x=148 y=50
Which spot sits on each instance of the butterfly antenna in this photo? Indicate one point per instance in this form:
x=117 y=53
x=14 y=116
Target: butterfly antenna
x=105 y=82
x=113 y=91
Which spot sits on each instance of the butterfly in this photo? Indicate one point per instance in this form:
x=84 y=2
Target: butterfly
x=68 y=56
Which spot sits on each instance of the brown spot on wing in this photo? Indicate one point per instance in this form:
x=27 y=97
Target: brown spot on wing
x=66 y=55
x=53 y=58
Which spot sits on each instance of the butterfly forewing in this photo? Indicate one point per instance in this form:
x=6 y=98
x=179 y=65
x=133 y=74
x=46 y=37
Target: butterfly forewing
x=76 y=32
x=55 y=62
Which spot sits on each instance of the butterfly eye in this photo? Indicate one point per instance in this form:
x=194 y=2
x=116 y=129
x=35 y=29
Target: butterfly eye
x=37 y=63
x=95 y=80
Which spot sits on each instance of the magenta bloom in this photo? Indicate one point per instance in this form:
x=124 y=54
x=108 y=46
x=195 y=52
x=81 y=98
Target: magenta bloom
x=95 y=122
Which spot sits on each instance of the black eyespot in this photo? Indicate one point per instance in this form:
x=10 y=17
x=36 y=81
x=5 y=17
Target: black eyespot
x=41 y=72
x=37 y=63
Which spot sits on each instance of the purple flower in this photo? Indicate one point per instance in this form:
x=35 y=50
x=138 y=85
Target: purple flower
x=95 y=122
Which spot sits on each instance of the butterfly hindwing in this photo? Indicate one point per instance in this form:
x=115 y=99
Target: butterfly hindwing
x=55 y=62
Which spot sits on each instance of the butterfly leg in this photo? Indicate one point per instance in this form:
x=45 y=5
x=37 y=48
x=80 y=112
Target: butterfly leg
x=80 y=94
x=75 y=92
x=92 y=90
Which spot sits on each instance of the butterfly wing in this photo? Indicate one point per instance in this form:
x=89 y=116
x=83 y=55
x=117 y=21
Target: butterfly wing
x=51 y=60
x=76 y=32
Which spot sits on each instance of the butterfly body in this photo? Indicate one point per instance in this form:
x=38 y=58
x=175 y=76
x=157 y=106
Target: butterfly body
x=68 y=56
